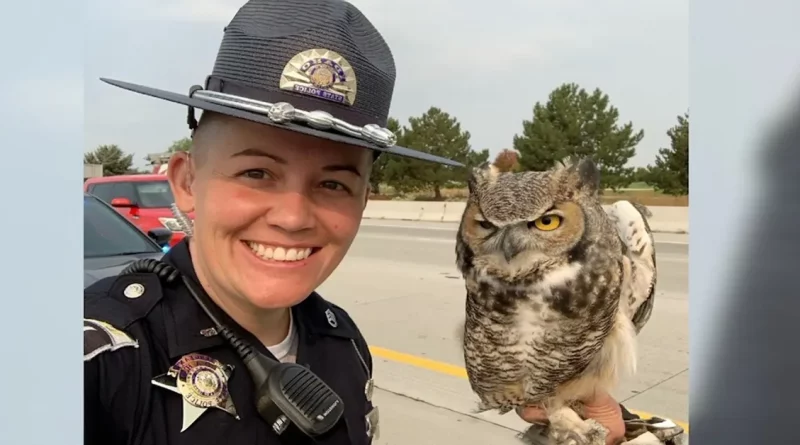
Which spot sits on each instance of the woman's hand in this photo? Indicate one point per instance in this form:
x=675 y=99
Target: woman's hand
x=602 y=408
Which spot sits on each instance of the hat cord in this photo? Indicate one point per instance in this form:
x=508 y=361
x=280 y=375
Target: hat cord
x=284 y=112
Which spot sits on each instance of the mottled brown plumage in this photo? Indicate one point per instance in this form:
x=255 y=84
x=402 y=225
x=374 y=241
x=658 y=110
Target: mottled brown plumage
x=555 y=291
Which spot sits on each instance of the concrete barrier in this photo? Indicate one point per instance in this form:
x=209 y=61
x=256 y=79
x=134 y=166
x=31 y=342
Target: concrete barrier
x=669 y=219
x=664 y=219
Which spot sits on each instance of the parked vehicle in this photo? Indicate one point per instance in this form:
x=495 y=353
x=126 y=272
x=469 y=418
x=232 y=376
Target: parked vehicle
x=145 y=200
x=111 y=242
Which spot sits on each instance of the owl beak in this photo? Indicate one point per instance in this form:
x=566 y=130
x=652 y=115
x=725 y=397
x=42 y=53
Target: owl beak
x=510 y=248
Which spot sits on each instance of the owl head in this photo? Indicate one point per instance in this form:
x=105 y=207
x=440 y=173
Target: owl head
x=521 y=220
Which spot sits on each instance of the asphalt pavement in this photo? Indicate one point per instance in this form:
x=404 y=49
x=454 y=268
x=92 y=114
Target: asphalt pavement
x=400 y=284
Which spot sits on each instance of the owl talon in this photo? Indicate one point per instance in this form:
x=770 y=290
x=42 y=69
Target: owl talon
x=535 y=435
x=568 y=438
x=596 y=432
x=590 y=433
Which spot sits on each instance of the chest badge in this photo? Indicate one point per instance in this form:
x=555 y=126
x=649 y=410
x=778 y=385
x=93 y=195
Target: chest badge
x=202 y=382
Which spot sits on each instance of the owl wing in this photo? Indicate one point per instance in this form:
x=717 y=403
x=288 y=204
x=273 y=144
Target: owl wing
x=630 y=220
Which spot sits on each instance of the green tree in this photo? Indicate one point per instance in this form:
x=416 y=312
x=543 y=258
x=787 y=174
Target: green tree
x=640 y=174
x=115 y=161
x=575 y=122
x=670 y=174
x=438 y=133
x=184 y=144
x=377 y=176
x=474 y=158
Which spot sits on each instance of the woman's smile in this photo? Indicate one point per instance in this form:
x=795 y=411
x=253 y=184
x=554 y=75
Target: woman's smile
x=281 y=256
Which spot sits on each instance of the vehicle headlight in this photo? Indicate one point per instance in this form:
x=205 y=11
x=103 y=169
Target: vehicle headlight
x=171 y=224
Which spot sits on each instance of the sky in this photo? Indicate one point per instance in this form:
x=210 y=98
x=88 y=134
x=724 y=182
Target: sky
x=485 y=63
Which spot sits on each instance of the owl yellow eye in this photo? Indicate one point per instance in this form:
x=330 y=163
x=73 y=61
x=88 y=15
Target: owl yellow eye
x=547 y=223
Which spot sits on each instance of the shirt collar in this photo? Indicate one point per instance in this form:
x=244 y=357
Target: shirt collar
x=190 y=330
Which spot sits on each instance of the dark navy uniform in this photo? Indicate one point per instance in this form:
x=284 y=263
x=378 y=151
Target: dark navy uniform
x=136 y=327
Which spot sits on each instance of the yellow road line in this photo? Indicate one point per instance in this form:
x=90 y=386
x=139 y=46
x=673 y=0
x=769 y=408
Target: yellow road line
x=457 y=371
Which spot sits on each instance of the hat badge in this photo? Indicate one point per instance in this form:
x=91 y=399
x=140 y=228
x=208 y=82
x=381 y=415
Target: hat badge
x=321 y=73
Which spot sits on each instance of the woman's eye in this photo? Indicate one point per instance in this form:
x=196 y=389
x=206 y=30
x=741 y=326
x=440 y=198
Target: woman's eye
x=255 y=174
x=332 y=185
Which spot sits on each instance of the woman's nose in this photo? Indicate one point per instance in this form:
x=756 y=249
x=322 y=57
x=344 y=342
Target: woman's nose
x=292 y=212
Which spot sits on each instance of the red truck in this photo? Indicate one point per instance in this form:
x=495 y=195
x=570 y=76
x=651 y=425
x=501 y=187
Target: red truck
x=145 y=200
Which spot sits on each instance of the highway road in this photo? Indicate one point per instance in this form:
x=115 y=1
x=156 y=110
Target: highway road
x=400 y=284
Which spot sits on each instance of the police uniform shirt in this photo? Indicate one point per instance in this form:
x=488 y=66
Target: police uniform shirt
x=137 y=326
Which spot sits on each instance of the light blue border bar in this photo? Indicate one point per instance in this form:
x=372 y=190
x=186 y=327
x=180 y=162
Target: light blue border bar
x=744 y=213
x=41 y=135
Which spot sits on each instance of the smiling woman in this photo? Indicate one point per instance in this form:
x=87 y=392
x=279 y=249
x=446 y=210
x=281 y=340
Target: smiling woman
x=269 y=195
x=277 y=191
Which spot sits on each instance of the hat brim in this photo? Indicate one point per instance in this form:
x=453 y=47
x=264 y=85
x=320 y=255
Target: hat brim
x=255 y=117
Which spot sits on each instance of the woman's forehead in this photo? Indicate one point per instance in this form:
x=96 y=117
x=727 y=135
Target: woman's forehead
x=241 y=139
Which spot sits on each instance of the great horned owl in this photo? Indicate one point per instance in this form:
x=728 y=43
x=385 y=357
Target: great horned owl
x=557 y=290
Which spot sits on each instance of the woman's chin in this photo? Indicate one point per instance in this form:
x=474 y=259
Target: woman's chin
x=288 y=297
x=270 y=284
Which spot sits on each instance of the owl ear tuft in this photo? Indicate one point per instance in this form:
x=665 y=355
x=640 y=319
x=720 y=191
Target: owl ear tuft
x=588 y=173
x=581 y=171
x=485 y=172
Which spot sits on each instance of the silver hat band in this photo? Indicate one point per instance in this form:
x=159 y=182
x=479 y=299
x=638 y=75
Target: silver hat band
x=282 y=112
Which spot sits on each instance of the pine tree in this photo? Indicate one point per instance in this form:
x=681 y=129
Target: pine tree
x=670 y=174
x=574 y=122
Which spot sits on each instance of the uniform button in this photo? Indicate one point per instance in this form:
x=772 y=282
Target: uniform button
x=134 y=290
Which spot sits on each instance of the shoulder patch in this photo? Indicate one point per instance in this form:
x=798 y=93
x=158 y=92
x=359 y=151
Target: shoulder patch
x=123 y=300
x=99 y=337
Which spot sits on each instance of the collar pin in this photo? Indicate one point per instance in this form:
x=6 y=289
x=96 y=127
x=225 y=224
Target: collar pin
x=331 y=318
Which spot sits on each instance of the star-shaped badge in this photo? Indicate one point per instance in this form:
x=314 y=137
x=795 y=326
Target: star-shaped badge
x=202 y=382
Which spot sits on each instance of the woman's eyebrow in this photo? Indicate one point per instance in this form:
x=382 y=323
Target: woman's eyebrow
x=261 y=153
x=342 y=167
x=328 y=168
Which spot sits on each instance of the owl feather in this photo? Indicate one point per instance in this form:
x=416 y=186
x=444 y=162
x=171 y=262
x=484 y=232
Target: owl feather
x=557 y=289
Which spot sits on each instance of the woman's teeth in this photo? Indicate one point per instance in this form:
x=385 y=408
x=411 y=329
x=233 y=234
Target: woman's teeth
x=279 y=253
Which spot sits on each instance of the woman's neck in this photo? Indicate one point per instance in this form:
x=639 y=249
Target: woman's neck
x=269 y=326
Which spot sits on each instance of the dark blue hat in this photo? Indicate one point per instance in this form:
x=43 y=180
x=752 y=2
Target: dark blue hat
x=318 y=67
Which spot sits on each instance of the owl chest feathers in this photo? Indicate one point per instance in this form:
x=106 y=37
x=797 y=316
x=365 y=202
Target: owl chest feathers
x=523 y=340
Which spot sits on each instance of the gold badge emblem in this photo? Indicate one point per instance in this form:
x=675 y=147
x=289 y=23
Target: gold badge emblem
x=321 y=73
x=202 y=382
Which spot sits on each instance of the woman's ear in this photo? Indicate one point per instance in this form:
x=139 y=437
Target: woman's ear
x=181 y=175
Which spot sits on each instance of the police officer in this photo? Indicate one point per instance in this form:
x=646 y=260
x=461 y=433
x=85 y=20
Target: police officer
x=277 y=178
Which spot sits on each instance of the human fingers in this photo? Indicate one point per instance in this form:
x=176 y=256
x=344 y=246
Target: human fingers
x=532 y=414
x=605 y=410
